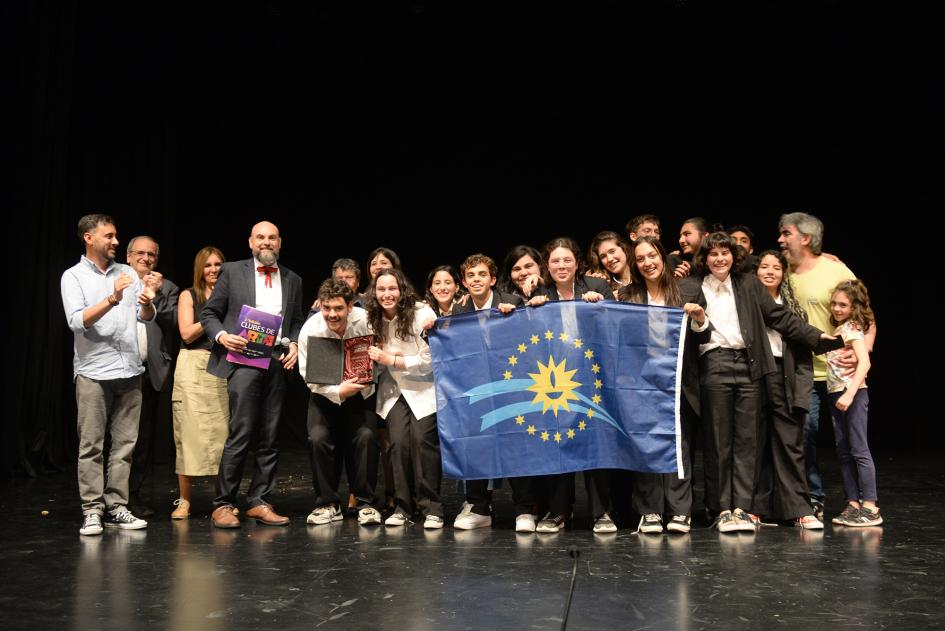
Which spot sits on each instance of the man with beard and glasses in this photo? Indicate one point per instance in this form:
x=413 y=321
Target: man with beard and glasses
x=104 y=301
x=255 y=394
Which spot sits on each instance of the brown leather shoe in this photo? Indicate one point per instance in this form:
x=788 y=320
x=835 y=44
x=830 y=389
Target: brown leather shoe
x=225 y=517
x=265 y=515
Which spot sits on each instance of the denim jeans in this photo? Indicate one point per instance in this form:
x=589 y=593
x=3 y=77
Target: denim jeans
x=818 y=398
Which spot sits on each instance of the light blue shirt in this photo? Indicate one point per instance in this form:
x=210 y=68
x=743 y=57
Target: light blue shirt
x=109 y=348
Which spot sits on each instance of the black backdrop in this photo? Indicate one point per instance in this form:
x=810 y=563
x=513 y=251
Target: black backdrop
x=442 y=128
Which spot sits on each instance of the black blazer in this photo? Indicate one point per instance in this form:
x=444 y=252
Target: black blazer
x=236 y=287
x=163 y=335
x=497 y=298
x=756 y=311
x=582 y=285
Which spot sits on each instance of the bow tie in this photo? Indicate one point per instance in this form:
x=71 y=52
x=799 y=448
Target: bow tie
x=268 y=271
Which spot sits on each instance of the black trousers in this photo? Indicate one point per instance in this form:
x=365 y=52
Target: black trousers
x=415 y=458
x=343 y=432
x=731 y=409
x=596 y=483
x=781 y=486
x=479 y=495
x=255 y=408
x=666 y=493
x=154 y=432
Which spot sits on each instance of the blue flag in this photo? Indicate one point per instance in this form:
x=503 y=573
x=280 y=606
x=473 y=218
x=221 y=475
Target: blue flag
x=567 y=386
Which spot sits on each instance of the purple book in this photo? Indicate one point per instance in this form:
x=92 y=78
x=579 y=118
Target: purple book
x=260 y=330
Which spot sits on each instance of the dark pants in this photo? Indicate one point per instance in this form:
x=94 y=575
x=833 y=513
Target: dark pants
x=666 y=493
x=415 y=458
x=731 y=409
x=255 y=408
x=347 y=431
x=597 y=485
x=154 y=429
x=479 y=495
x=818 y=399
x=856 y=461
x=781 y=487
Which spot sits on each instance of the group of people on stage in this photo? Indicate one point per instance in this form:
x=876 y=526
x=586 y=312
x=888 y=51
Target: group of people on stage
x=775 y=337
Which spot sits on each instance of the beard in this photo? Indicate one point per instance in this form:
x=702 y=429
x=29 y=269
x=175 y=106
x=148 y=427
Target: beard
x=267 y=257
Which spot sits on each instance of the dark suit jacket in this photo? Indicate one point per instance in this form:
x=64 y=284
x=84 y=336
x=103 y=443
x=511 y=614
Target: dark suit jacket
x=581 y=287
x=756 y=311
x=236 y=287
x=163 y=336
x=497 y=298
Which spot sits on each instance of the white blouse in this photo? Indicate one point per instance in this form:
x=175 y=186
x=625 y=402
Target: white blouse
x=415 y=380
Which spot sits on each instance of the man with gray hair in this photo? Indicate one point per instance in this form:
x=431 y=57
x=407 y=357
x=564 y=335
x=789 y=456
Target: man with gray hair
x=158 y=343
x=103 y=301
x=813 y=277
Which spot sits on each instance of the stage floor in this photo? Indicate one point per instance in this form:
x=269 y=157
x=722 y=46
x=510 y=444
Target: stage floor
x=188 y=575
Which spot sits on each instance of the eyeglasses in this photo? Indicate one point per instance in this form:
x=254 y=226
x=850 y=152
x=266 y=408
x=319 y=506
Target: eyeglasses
x=152 y=255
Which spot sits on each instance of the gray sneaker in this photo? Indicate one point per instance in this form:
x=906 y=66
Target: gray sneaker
x=651 y=523
x=866 y=517
x=604 y=525
x=91 y=524
x=848 y=516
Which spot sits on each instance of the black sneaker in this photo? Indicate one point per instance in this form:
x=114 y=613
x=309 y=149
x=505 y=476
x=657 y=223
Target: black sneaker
x=847 y=517
x=551 y=524
x=818 y=507
x=679 y=523
x=122 y=518
x=866 y=517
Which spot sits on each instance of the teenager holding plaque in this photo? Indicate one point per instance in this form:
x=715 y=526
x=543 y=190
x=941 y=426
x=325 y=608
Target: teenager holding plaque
x=341 y=416
x=255 y=394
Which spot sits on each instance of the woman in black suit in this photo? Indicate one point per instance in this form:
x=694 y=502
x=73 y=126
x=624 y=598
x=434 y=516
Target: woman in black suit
x=659 y=494
x=564 y=280
x=733 y=366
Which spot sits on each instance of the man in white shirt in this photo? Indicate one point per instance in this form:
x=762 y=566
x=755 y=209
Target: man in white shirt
x=341 y=417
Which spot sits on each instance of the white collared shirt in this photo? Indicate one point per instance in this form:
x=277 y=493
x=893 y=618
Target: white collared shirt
x=774 y=338
x=269 y=299
x=721 y=310
x=316 y=326
x=488 y=304
x=415 y=380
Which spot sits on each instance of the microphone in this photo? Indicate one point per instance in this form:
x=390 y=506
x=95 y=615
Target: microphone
x=284 y=341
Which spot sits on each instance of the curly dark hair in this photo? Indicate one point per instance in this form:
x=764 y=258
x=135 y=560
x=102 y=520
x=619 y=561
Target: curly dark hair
x=718 y=240
x=405 y=306
x=785 y=289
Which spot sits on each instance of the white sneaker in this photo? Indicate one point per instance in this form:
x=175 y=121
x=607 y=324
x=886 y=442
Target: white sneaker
x=91 y=524
x=679 y=523
x=525 y=523
x=809 y=522
x=398 y=518
x=433 y=522
x=122 y=518
x=467 y=519
x=324 y=515
x=368 y=516
x=604 y=525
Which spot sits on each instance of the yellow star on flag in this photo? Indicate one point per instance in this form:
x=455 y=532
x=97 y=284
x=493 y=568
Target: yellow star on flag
x=570 y=433
x=596 y=399
x=544 y=436
x=564 y=337
x=557 y=437
x=595 y=368
x=513 y=360
x=588 y=354
x=508 y=375
x=578 y=343
x=519 y=419
x=582 y=425
x=598 y=383
x=590 y=414
x=549 y=335
x=534 y=339
x=522 y=348
x=531 y=430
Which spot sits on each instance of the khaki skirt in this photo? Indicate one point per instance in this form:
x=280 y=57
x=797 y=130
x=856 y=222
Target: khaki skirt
x=201 y=414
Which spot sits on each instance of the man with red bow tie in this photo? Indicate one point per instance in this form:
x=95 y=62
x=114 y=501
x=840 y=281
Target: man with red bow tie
x=255 y=395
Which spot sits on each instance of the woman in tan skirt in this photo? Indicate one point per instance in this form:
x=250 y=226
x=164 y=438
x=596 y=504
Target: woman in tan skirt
x=200 y=403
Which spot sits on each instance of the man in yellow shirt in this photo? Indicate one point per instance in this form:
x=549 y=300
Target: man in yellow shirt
x=813 y=277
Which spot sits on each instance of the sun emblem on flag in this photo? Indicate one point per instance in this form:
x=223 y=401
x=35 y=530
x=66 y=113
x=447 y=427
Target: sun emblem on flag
x=548 y=385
